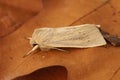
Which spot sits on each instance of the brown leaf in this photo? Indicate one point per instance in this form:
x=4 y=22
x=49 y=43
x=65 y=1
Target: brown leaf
x=12 y=18
x=29 y=5
x=84 y=64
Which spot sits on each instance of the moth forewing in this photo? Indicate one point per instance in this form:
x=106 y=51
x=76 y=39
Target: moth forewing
x=80 y=36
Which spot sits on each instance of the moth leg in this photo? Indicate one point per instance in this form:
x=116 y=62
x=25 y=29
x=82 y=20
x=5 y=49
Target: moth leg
x=60 y=49
x=106 y=46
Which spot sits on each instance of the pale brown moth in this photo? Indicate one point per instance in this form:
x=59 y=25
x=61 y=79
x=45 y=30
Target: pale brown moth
x=80 y=36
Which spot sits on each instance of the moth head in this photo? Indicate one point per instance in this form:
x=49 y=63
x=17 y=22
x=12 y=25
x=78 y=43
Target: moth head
x=36 y=39
x=33 y=44
x=37 y=36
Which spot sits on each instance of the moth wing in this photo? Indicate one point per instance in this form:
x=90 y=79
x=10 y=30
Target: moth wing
x=82 y=36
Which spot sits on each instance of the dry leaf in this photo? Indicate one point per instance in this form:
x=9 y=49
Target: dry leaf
x=12 y=18
x=29 y=5
x=85 y=64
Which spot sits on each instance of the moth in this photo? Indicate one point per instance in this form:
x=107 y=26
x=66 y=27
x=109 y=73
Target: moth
x=80 y=36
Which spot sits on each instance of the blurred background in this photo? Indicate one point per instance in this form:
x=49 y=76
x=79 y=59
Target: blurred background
x=18 y=19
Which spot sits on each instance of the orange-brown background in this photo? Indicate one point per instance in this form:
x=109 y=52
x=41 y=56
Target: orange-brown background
x=18 y=19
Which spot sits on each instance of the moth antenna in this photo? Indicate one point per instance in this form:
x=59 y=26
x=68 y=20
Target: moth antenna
x=28 y=38
x=33 y=49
